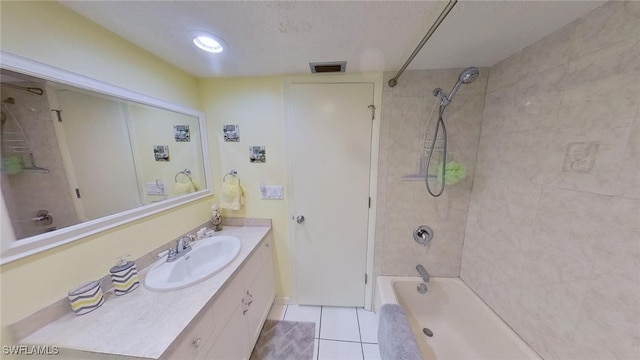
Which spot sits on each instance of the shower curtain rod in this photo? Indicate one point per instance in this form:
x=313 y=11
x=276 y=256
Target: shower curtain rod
x=394 y=81
x=33 y=90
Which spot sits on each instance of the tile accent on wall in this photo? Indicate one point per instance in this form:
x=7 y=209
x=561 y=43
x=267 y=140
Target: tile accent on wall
x=552 y=235
x=580 y=157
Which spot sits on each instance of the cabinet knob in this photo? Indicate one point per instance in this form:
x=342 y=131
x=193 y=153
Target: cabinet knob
x=196 y=343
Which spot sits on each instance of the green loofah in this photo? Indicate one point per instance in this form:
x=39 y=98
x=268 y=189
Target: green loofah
x=453 y=172
x=13 y=165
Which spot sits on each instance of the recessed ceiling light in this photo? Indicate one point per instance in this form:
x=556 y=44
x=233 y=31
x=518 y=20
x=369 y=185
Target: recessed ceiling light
x=207 y=43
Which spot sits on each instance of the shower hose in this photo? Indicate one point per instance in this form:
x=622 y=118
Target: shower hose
x=439 y=124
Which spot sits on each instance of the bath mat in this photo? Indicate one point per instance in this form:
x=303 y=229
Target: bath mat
x=285 y=340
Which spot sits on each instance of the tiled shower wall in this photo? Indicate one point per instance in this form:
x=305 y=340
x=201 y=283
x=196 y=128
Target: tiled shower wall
x=27 y=192
x=403 y=205
x=552 y=239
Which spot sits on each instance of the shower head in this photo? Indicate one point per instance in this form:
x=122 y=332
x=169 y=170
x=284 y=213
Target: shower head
x=468 y=75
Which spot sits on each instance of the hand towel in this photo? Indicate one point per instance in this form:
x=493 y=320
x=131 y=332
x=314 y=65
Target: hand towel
x=184 y=188
x=232 y=194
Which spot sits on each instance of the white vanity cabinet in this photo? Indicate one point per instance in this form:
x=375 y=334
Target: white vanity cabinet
x=262 y=293
x=241 y=309
x=219 y=318
x=241 y=331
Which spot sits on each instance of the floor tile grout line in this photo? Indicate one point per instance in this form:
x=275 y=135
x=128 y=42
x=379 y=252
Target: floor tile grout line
x=347 y=341
x=359 y=332
x=286 y=307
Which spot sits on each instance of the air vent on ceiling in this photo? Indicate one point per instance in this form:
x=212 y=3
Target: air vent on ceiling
x=328 y=67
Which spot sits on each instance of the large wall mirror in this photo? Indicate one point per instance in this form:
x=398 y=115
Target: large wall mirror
x=79 y=156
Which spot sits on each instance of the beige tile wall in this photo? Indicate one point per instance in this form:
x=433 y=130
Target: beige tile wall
x=403 y=205
x=552 y=238
x=27 y=192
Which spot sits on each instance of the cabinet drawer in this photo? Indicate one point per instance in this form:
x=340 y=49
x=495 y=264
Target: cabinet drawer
x=194 y=338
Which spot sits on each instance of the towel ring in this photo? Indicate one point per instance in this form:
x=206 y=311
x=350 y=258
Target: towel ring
x=186 y=172
x=233 y=173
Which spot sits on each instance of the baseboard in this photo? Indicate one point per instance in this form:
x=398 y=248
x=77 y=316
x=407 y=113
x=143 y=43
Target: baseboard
x=286 y=300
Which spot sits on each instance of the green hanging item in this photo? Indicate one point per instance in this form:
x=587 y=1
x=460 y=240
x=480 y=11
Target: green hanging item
x=453 y=172
x=13 y=165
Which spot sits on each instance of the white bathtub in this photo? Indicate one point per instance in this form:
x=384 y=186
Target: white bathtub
x=463 y=326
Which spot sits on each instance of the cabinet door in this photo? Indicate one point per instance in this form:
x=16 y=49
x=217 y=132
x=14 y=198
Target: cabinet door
x=233 y=341
x=195 y=338
x=260 y=294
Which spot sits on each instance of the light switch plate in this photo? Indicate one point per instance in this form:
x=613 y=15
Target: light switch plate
x=272 y=192
x=156 y=188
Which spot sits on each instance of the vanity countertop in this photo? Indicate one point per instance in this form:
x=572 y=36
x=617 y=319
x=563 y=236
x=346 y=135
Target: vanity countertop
x=143 y=323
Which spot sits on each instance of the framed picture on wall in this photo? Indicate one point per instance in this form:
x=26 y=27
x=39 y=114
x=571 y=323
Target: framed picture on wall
x=181 y=133
x=257 y=154
x=231 y=133
x=161 y=152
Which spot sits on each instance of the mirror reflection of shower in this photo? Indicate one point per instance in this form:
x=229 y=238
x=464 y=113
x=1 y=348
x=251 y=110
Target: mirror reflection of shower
x=439 y=137
x=33 y=184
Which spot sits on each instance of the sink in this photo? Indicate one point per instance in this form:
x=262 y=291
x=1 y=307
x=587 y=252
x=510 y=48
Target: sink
x=206 y=258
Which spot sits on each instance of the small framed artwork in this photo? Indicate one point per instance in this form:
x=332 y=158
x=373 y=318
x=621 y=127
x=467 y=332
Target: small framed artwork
x=161 y=152
x=181 y=133
x=231 y=133
x=257 y=154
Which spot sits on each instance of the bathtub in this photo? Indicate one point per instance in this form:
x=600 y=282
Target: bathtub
x=463 y=326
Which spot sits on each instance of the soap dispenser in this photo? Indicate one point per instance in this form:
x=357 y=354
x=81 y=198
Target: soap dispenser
x=124 y=276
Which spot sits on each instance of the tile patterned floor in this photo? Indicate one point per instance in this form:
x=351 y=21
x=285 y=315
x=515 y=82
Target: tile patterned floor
x=342 y=333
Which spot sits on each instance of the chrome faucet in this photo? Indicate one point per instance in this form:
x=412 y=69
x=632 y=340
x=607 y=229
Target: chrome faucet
x=182 y=247
x=423 y=273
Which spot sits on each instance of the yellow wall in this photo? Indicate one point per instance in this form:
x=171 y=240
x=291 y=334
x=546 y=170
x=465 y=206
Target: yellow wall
x=52 y=34
x=150 y=126
x=48 y=32
x=255 y=104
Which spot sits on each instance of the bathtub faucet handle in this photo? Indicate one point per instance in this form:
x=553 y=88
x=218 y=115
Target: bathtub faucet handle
x=423 y=273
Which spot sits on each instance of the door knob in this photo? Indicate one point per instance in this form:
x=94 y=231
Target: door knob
x=300 y=219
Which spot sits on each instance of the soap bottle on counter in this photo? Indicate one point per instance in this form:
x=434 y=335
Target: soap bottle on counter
x=124 y=276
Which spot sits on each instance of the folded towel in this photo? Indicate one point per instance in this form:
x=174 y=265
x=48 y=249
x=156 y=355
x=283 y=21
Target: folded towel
x=395 y=338
x=232 y=194
x=184 y=188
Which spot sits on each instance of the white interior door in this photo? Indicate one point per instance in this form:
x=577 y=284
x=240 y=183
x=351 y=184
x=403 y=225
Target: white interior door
x=330 y=143
x=96 y=136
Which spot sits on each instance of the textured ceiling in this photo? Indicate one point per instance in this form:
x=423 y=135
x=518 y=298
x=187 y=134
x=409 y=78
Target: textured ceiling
x=270 y=38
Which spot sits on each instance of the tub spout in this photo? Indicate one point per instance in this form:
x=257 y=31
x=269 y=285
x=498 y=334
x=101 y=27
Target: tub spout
x=423 y=273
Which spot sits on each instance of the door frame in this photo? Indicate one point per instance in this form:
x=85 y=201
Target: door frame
x=372 y=78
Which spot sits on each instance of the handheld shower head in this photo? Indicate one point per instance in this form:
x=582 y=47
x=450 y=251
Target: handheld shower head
x=468 y=75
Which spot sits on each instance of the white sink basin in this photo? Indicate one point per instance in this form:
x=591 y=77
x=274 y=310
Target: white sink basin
x=206 y=258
